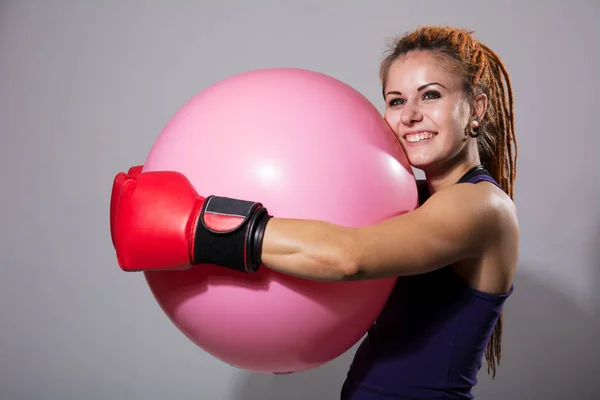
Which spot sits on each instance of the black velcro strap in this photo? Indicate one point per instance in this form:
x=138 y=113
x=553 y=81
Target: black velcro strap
x=223 y=215
x=226 y=233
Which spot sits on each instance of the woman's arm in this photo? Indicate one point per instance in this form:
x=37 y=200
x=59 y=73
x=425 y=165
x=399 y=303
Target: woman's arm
x=453 y=224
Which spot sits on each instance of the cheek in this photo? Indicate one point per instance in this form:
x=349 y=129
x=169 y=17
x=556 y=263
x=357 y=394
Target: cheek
x=460 y=115
x=393 y=120
x=448 y=118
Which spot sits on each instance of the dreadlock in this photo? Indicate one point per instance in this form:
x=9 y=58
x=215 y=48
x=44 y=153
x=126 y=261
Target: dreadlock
x=482 y=72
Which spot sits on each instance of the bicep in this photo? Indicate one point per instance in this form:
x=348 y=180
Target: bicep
x=451 y=226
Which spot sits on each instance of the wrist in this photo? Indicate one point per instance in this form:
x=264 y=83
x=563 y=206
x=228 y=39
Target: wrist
x=257 y=237
x=229 y=233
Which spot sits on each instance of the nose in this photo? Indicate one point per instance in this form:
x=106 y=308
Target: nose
x=411 y=114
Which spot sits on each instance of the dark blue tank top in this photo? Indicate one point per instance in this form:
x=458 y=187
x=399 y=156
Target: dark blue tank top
x=429 y=340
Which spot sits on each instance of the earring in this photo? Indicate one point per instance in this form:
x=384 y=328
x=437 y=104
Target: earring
x=474 y=128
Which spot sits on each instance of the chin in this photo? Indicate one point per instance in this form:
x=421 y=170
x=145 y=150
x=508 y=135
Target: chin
x=422 y=154
x=419 y=162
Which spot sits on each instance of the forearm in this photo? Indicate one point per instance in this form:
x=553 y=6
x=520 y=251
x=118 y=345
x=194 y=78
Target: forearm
x=309 y=249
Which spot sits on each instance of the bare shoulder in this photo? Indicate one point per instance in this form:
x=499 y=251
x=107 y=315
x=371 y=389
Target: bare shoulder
x=482 y=207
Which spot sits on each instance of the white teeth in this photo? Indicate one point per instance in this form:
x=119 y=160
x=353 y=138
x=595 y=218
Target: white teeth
x=418 y=137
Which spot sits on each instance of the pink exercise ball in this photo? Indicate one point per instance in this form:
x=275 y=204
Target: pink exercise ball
x=307 y=146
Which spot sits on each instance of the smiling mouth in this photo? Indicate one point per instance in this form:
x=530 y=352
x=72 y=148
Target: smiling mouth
x=419 y=136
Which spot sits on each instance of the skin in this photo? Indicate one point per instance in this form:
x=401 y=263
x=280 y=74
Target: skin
x=472 y=228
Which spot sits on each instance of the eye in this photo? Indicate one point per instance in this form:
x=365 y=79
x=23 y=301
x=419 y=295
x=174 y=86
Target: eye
x=431 y=94
x=395 y=102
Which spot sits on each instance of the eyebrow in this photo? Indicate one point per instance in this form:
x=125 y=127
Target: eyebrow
x=418 y=89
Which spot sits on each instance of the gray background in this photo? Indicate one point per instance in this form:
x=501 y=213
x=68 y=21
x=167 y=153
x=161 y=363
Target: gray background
x=86 y=88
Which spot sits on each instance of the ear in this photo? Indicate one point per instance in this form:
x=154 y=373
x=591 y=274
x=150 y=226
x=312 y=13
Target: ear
x=481 y=103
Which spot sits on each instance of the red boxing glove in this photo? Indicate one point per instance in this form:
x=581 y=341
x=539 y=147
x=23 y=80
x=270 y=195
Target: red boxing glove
x=118 y=182
x=161 y=223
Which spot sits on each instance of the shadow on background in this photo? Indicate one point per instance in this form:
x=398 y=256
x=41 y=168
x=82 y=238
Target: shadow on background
x=324 y=382
x=596 y=273
x=550 y=347
x=550 y=351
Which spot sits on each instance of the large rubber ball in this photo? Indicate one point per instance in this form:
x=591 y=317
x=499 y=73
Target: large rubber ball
x=307 y=146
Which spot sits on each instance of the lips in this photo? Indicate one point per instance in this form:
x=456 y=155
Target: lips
x=418 y=137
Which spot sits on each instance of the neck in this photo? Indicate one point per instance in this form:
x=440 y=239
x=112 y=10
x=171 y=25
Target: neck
x=442 y=176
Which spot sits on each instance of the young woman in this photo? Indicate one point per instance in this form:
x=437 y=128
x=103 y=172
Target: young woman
x=449 y=101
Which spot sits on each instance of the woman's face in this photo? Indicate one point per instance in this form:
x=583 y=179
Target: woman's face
x=427 y=110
